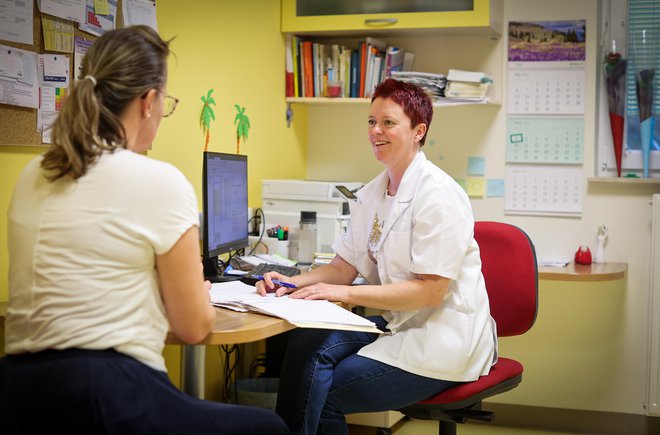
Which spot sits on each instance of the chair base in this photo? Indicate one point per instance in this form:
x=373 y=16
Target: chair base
x=448 y=419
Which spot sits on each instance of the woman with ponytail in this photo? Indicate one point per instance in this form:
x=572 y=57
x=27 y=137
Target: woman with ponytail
x=104 y=260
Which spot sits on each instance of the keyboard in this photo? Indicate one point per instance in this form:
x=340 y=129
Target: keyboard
x=263 y=268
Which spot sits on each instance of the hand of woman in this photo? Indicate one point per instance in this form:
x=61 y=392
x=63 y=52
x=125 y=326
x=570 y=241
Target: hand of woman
x=268 y=286
x=322 y=291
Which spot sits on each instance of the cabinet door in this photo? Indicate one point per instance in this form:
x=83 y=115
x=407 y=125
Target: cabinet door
x=318 y=16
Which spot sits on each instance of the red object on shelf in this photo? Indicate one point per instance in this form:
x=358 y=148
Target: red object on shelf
x=617 y=123
x=583 y=255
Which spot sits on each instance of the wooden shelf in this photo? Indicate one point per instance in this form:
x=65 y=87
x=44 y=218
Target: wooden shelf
x=580 y=272
x=366 y=101
x=625 y=181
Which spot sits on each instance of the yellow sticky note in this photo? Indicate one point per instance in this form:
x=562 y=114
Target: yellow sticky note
x=101 y=7
x=476 y=187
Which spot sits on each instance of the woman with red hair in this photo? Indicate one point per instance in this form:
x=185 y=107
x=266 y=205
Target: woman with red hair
x=411 y=237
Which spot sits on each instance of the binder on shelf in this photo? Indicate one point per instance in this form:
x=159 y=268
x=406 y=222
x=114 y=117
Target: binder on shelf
x=355 y=73
x=363 y=68
x=308 y=64
x=290 y=90
x=394 y=60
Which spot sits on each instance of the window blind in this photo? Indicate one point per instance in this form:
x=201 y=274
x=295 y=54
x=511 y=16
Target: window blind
x=643 y=15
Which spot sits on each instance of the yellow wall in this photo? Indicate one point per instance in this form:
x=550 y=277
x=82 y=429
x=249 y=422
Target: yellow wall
x=234 y=48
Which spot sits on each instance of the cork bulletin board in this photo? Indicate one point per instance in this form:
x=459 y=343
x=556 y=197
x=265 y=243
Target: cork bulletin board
x=18 y=125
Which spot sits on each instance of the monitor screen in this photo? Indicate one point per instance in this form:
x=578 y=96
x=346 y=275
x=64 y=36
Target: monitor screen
x=225 y=218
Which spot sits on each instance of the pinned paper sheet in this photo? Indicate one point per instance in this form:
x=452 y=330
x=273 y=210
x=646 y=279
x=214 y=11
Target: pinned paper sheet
x=476 y=166
x=476 y=187
x=101 y=7
x=58 y=34
x=81 y=47
x=140 y=12
x=73 y=10
x=96 y=23
x=18 y=77
x=17 y=21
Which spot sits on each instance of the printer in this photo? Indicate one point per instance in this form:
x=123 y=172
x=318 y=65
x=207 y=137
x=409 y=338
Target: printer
x=282 y=200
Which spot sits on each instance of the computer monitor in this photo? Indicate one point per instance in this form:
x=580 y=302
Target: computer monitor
x=225 y=216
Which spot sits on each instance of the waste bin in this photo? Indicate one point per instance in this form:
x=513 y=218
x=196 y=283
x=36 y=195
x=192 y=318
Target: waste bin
x=260 y=392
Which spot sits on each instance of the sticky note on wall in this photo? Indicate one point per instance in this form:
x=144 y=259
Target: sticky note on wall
x=476 y=166
x=476 y=187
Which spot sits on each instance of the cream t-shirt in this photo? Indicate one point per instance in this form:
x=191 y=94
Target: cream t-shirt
x=82 y=256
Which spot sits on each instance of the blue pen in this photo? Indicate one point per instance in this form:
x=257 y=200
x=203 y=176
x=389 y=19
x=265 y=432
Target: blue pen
x=277 y=281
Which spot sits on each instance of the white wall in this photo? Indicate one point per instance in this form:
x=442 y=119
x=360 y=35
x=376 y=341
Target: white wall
x=588 y=348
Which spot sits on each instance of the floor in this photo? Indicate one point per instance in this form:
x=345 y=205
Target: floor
x=422 y=427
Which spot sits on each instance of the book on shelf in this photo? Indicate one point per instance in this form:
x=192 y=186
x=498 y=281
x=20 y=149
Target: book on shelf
x=311 y=65
x=237 y=296
x=394 y=60
x=289 y=71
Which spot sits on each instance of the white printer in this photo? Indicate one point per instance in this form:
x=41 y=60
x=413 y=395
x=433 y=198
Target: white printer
x=283 y=200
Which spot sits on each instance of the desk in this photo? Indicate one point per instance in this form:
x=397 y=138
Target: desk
x=230 y=327
x=580 y=272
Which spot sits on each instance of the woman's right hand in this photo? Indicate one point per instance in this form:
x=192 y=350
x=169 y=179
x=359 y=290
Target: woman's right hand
x=268 y=286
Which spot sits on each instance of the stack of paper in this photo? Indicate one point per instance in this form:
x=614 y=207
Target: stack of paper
x=467 y=84
x=322 y=314
x=433 y=84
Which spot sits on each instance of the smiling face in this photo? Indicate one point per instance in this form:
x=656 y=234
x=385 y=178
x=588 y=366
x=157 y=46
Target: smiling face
x=394 y=140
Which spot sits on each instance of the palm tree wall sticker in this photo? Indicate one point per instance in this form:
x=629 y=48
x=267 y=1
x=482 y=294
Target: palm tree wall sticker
x=206 y=117
x=242 y=123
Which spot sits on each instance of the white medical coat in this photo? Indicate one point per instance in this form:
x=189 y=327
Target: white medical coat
x=429 y=230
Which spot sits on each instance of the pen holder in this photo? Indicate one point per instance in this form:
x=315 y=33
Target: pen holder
x=334 y=88
x=270 y=245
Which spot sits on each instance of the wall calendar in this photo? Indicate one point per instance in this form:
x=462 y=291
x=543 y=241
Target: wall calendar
x=546 y=88
x=545 y=140
x=544 y=190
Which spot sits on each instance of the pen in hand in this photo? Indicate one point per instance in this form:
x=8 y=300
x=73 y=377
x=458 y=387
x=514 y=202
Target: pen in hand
x=277 y=281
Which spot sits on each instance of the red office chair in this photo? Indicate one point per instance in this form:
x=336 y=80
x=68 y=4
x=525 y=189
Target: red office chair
x=508 y=263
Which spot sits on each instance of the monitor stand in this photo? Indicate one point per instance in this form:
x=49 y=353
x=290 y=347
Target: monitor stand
x=211 y=271
x=223 y=278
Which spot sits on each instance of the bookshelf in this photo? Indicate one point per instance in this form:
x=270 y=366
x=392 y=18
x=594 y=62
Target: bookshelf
x=366 y=101
x=438 y=41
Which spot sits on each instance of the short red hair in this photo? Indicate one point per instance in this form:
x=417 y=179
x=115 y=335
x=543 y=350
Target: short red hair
x=416 y=103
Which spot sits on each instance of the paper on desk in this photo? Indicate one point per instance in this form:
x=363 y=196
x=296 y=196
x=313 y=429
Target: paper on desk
x=323 y=314
x=554 y=261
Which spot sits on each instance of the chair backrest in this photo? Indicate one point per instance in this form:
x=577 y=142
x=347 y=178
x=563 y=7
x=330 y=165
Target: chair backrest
x=510 y=271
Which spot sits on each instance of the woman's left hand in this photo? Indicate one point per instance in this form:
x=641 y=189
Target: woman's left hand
x=322 y=291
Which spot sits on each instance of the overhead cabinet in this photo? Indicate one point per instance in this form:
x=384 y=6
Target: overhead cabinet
x=356 y=17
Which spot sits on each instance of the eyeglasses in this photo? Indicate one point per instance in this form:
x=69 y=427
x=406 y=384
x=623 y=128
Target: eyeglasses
x=169 y=105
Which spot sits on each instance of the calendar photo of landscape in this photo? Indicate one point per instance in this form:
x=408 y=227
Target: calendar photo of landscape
x=547 y=41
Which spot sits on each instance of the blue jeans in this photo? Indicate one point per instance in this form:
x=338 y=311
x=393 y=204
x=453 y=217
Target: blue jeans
x=323 y=378
x=78 y=391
